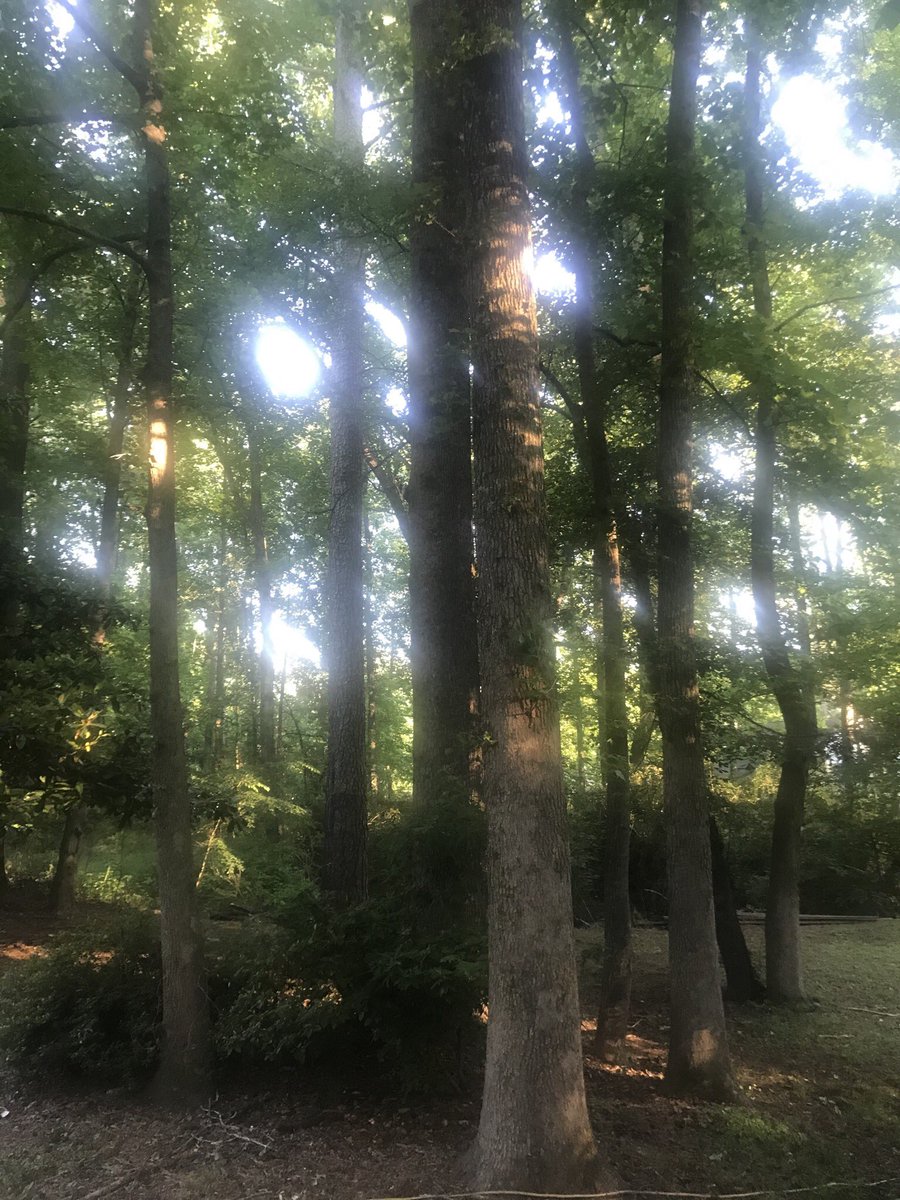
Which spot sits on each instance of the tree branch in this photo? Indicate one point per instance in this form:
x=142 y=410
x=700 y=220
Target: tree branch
x=95 y=239
x=107 y=49
x=18 y=303
x=29 y=120
x=805 y=308
x=391 y=489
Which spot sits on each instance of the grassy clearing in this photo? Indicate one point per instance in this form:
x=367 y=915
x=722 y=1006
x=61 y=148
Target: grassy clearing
x=821 y=1104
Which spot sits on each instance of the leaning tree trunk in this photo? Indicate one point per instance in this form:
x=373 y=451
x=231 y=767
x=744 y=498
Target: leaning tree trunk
x=534 y=1132
x=784 y=979
x=14 y=423
x=741 y=982
x=699 y=1063
x=65 y=877
x=444 y=655
x=186 y=1051
x=344 y=866
x=615 y=990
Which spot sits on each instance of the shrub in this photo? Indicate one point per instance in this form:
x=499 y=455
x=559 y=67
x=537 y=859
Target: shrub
x=362 y=982
x=90 y=1007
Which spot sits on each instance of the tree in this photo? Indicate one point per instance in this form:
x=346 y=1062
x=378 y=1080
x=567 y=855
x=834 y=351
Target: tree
x=534 y=1131
x=444 y=650
x=698 y=1062
x=791 y=687
x=590 y=420
x=344 y=869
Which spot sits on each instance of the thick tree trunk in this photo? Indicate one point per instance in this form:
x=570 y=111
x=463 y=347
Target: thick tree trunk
x=615 y=996
x=119 y=415
x=444 y=656
x=184 y=1068
x=14 y=423
x=344 y=867
x=534 y=1131
x=65 y=877
x=262 y=570
x=784 y=980
x=698 y=1062
x=741 y=980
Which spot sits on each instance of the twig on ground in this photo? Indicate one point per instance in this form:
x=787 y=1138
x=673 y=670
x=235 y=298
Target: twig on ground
x=514 y=1193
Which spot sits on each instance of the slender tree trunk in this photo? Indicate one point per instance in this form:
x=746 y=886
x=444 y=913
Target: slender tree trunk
x=615 y=997
x=4 y=873
x=742 y=983
x=534 y=1131
x=65 y=877
x=344 y=867
x=262 y=570
x=213 y=734
x=698 y=1062
x=186 y=1052
x=784 y=980
x=444 y=655
x=119 y=415
x=14 y=423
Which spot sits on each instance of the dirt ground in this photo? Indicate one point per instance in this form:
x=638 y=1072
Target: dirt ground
x=821 y=1106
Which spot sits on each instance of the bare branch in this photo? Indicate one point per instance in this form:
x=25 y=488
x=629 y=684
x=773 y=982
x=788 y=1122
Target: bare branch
x=391 y=489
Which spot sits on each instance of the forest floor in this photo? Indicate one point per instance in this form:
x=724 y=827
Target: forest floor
x=821 y=1106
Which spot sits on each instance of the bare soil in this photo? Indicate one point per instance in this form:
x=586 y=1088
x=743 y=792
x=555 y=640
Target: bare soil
x=821 y=1105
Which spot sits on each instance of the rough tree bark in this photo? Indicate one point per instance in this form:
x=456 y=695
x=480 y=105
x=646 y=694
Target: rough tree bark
x=62 y=888
x=740 y=975
x=444 y=655
x=796 y=700
x=698 y=1063
x=615 y=994
x=186 y=1055
x=344 y=866
x=183 y=1073
x=534 y=1132
x=14 y=422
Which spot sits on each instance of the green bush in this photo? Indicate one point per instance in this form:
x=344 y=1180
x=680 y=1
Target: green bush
x=90 y=1007
x=360 y=983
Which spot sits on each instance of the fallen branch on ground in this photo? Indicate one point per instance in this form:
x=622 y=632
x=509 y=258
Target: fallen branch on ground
x=513 y=1193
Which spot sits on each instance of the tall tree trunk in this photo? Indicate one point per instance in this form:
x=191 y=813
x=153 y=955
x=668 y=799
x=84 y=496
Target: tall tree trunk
x=214 y=706
x=344 y=867
x=784 y=979
x=534 y=1131
x=699 y=1063
x=741 y=980
x=65 y=877
x=262 y=571
x=184 y=1068
x=615 y=994
x=14 y=422
x=119 y=415
x=444 y=655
